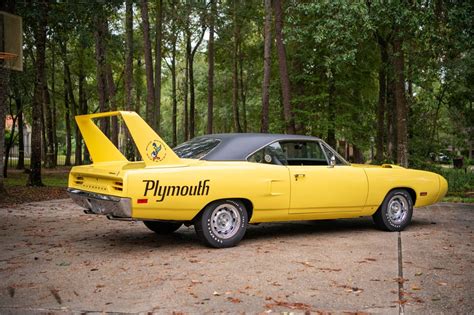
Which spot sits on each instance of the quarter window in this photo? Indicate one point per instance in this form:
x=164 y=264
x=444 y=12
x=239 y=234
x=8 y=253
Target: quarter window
x=271 y=154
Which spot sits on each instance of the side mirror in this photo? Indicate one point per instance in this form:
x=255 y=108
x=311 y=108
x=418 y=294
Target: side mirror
x=332 y=161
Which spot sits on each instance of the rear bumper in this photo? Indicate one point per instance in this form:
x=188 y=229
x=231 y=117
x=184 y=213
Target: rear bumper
x=111 y=206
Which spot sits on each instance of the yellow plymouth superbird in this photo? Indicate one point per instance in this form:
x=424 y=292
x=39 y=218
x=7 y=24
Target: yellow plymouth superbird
x=222 y=182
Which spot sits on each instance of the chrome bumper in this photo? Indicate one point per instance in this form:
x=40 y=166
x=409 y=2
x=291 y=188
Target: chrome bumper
x=111 y=206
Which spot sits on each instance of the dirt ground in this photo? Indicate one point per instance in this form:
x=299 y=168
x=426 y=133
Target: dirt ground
x=55 y=259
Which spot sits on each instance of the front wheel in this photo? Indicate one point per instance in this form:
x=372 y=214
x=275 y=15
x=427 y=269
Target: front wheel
x=222 y=223
x=162 y=227
x=395 y=212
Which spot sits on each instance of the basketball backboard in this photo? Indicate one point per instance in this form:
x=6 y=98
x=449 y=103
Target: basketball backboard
x=11 y=41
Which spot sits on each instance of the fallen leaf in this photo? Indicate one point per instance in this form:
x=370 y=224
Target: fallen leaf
x=400 y=280
x=305 y=263
x=293 y=306
x=330 y=269
x=234 y=300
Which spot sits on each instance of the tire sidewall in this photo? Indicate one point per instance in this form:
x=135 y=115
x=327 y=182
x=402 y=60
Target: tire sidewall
x=391 y=226
x=210 y=238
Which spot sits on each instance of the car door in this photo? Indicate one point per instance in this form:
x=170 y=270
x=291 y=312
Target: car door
x=316 y=186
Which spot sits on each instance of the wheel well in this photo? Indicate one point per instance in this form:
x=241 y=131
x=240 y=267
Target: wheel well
x=410 y=191
x=247 y=203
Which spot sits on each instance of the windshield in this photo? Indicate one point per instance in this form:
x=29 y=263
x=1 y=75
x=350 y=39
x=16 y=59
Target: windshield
x=196 y=148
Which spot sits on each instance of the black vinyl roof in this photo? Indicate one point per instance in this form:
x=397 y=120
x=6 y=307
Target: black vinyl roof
x=238 y=146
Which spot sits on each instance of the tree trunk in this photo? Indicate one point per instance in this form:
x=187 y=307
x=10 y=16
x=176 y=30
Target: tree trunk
x=150 y=88
x=382 y=99
x=267 y=63
x=73 y=105
x=21 y=142
x=400 y=103
x=332 y=113
x=100 y=35
x=128 y=80
x=48 y=127
x=210 y=71
x=54 y=108
x=186 y=85
x=158 y=57
x=112 y=91
x=34 y=178
x=68 y=121
x=4 y=78
x=17 y=120
x=173 y=90
x=138 y=101
x=192 y=93
x=10 y=142
x=83 y=107
x=43 y=129
x=242 y=87
x=235 y=79
x=391 y=120
x=284 y=79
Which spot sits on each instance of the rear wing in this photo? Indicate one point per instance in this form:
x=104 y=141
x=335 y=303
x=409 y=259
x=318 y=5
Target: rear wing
x=152 y=148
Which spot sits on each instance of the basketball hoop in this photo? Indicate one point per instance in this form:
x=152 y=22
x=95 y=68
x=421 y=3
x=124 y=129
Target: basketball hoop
x=11 y=41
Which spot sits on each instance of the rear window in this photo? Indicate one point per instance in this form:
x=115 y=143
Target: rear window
x=196 y=148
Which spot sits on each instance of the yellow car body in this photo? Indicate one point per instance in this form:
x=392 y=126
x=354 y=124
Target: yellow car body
x=165 y=187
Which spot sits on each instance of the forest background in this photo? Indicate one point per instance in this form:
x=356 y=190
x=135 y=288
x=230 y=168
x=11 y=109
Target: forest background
x=380 y=81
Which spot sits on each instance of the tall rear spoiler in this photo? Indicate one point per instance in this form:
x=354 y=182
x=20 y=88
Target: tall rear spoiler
x=152 y=148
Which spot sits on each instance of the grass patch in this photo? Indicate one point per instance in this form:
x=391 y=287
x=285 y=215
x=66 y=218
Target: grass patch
x=460 y=182
x=52 y=178
x=459 y=199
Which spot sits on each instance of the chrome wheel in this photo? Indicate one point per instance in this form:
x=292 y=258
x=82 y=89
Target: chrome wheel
x=395 y=212
x=397 y=209
x=225 y=221
x=222 y=223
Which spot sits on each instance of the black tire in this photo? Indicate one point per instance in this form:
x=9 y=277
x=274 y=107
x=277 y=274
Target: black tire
x=222 y=223
x=161 y=227
x=395 y=212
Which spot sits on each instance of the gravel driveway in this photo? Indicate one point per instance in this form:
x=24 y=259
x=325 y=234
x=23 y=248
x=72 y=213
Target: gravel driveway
x=55 y=259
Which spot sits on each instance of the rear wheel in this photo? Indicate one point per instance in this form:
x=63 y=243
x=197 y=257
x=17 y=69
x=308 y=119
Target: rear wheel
x=161 y=227
x=222 y=223
x=395 y=212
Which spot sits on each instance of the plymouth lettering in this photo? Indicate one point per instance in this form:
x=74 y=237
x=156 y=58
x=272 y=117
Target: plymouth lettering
x=153 y=188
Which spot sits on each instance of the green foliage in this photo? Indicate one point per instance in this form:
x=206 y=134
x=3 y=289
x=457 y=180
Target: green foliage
x=333 y=59
x=459 y=180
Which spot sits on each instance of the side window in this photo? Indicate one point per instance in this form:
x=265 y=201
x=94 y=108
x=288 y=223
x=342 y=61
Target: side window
x=303 y=153
x=271 y=154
